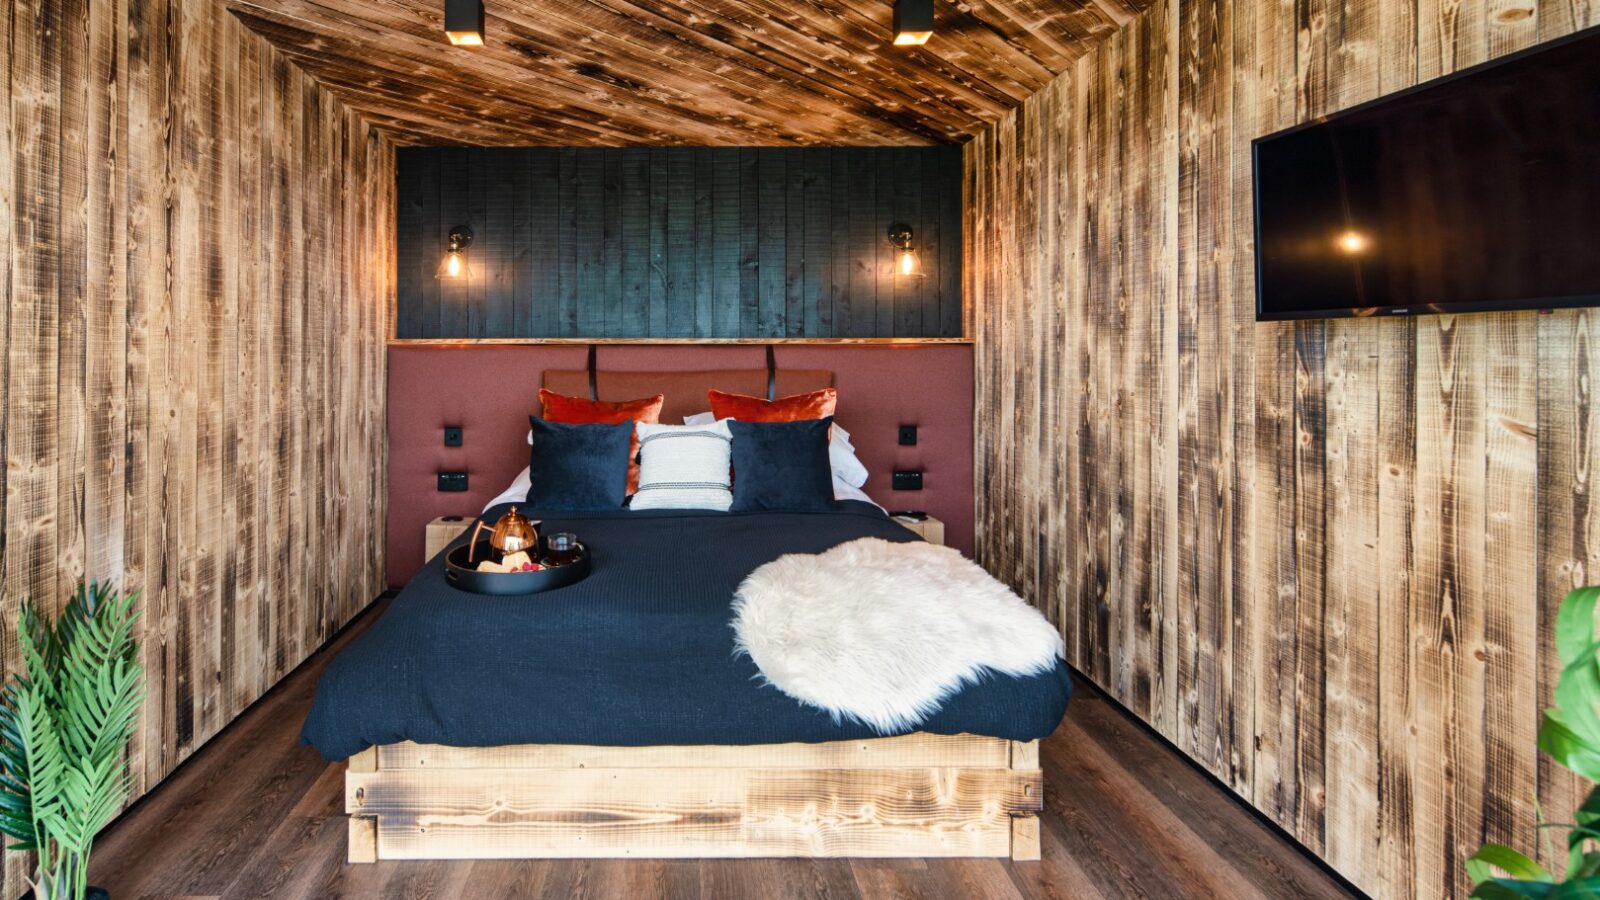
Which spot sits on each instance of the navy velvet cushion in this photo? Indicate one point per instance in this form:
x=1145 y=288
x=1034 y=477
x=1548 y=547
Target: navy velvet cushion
x=579 y=467
x=781 y=466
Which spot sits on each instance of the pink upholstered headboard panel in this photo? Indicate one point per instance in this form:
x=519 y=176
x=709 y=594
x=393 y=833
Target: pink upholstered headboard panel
x=880 y=388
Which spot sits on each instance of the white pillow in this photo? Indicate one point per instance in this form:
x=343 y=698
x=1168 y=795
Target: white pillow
x=517 y=492
x=842 y=491
x=684 y=467
x=847 y=467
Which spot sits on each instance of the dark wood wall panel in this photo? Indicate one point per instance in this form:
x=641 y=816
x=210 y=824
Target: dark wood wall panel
x=679 y=242
x=1323 y=558
x=195 y=248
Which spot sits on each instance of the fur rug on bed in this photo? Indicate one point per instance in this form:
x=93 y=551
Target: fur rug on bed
x=882 y=633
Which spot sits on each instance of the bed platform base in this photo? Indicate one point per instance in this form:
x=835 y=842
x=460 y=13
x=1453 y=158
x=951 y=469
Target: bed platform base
x=916 y=795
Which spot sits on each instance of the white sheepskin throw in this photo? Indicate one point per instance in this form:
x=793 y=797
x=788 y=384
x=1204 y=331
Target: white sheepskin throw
x=882 y=633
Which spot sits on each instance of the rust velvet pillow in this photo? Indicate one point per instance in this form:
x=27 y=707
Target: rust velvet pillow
x=580 y=411
x=800 y=407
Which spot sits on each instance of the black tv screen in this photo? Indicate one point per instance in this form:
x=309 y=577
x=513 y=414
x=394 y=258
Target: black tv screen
x=1476 y=192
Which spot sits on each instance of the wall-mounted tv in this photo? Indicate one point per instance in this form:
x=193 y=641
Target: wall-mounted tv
x=1479 y=191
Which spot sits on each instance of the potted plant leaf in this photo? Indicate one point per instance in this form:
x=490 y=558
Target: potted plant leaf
x=65 y=722
x=1570 y=733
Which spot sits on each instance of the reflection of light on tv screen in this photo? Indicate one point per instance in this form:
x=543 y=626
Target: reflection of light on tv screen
x=1353 y=243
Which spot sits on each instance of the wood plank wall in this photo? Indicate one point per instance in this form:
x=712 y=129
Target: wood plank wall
x=1322 y=558
x=195 y=249
x=679 y=242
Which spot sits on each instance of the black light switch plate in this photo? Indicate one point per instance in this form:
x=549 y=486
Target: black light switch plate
x=908 y=481
x=452 y=435
x=908 y=435
x=452 y=481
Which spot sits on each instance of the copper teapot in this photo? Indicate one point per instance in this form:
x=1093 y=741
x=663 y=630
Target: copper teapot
x=514 y=532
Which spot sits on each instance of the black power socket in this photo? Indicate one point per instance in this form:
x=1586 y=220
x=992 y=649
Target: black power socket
x=908 y=480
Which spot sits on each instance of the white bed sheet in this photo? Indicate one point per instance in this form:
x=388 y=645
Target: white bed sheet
x=518 y=491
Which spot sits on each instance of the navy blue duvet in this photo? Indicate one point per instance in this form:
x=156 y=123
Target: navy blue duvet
x=640 y=653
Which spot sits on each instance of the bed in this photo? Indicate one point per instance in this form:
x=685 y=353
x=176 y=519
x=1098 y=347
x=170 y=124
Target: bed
x=613 y=718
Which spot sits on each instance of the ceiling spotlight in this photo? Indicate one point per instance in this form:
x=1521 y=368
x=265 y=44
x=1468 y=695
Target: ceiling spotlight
x=913 y=22
x=463 y=22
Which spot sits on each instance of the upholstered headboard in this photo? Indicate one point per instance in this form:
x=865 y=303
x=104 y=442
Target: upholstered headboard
x=490 y=389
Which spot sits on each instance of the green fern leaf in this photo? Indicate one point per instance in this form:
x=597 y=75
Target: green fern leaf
x=65 y=721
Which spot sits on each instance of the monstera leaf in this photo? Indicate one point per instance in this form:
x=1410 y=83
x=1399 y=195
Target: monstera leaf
x=1570 y=734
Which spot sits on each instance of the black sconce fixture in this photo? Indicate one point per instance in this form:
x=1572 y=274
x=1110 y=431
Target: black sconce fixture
x=913 y=22
x=454 y=264
x=906 y=261
x=463 y=22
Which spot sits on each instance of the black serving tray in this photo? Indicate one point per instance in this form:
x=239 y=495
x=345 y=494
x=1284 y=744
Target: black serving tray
x=464 y=576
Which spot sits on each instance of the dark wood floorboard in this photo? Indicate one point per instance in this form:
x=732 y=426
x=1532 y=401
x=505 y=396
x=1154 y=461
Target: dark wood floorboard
x=255 y=814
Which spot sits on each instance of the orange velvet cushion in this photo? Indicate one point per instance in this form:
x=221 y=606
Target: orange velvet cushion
x=815 y=405
x=579 y=411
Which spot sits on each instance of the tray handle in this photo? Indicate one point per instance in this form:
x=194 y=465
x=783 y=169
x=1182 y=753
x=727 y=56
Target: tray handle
x=472 y=543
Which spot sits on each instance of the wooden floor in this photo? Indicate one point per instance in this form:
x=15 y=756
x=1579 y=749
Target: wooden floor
x=255 y=814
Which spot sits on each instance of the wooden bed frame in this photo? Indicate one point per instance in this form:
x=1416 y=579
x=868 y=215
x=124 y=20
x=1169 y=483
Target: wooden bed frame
x=916 y=795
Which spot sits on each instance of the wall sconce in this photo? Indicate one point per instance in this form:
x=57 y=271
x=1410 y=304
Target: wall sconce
x=463 y=22
x=454 y=264
x=913 y=22
x=905 y=262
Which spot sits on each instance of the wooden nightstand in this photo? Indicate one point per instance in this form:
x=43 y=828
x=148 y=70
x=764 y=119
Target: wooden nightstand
x=441 y=532
x=931 y=529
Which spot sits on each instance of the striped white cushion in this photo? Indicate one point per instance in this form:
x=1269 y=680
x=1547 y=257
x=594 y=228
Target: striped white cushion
x=684 y=467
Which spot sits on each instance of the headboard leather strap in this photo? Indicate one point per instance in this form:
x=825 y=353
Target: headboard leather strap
x=772 y=374
x=594 y=382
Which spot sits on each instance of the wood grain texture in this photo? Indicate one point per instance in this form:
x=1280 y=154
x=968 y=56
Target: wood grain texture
x=195 y=251
x=256 y=814
x=692 y=812
x=660 y=262
x=684 y=72
x=920 y=795
x=1321 y=557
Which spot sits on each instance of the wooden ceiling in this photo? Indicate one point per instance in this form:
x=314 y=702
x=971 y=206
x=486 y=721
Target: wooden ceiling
x=684 y=72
